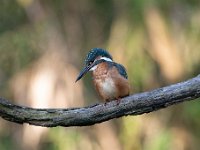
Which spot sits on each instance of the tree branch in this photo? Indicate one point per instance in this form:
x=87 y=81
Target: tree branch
x=133 y=105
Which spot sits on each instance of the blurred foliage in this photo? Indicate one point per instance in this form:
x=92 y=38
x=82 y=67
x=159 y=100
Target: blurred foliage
x=157 y=41
x=12 y=16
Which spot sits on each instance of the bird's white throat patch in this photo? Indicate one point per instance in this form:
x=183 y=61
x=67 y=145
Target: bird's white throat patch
x=93 y=68
x=102 y=58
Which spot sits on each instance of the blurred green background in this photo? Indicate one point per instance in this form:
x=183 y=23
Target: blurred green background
x=43 y=44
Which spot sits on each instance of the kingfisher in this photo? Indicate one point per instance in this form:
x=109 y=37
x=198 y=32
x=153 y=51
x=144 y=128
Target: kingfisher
x=110 y=78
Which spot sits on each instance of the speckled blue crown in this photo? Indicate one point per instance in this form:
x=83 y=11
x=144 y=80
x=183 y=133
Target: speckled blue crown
x=94 y=53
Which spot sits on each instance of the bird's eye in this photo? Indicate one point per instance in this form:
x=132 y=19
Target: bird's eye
x=90 y=62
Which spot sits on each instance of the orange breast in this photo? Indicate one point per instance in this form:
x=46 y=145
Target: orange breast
x=109 y=84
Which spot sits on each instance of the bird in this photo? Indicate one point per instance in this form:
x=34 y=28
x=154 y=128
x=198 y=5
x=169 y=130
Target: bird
x=110 y=78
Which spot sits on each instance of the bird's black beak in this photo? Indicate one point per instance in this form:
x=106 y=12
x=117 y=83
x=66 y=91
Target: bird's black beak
x=87 y=68
x=83 y=72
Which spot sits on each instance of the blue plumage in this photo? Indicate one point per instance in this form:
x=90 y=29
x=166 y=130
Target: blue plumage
x=94 y=53
x=121 y=69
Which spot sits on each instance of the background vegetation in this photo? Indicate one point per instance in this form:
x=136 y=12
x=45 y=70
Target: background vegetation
x=42 y=48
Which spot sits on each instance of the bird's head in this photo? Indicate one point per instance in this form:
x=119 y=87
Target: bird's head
x=93 y=58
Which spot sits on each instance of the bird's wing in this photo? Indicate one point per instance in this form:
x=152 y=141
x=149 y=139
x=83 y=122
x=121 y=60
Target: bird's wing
x=121 y=69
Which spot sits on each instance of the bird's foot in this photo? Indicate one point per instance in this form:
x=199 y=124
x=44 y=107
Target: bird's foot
x=118 y=100
x=105 y=103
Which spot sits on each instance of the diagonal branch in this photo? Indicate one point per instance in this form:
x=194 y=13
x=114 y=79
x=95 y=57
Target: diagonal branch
x=133 y=105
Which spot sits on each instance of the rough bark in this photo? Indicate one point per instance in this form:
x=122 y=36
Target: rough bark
x=132 y=105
